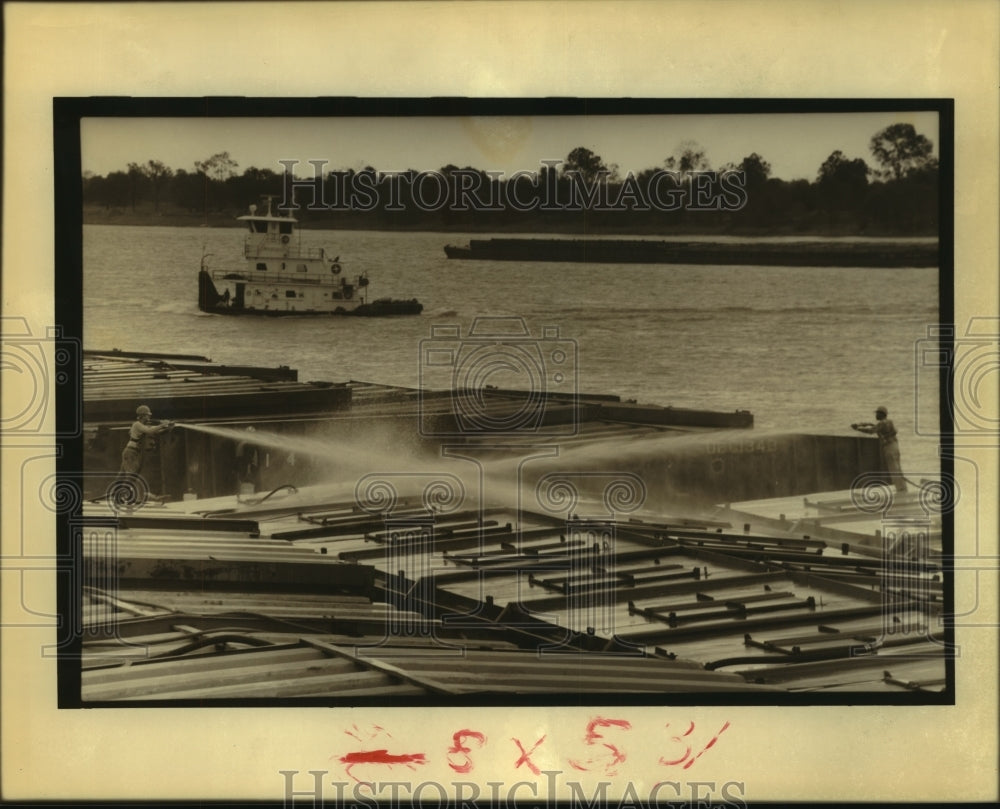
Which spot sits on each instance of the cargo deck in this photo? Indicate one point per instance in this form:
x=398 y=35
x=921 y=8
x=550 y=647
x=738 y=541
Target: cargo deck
x=704 y=563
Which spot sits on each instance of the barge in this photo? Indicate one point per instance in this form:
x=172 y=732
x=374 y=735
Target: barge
x=357 y=603
x=874 y=253
x=426 y=587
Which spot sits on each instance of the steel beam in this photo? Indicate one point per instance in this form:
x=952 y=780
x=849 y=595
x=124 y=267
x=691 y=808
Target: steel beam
x=194 y=524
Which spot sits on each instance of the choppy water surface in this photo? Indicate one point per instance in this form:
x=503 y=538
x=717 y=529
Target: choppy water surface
x=805 y=349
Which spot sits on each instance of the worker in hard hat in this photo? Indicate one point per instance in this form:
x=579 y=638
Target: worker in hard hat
x=141 y=428
x=887 y=443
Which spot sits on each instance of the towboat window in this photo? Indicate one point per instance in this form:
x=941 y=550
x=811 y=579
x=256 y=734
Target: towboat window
x=337 y=296
x=290 y=293
x=261 y=265
x=258 y=227
x=285 y=227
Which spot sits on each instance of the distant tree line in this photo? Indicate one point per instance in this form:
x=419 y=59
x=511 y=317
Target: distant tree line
x=582 y=193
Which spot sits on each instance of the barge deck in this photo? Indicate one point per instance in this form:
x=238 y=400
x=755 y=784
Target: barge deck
x=675 y=571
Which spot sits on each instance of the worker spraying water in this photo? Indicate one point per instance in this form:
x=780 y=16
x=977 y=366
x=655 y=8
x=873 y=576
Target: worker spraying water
x=887 y=443
x=130 y=488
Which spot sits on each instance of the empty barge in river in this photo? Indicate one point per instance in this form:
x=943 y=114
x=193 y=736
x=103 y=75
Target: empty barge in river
x=829 y=253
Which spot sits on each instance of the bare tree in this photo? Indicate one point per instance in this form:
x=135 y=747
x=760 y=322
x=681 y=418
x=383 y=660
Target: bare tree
x=687 y=158
x=219 y=166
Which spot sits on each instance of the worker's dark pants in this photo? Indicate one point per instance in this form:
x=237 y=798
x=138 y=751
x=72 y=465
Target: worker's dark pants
x=129 y=489
x=890 y=456
x=131 y=461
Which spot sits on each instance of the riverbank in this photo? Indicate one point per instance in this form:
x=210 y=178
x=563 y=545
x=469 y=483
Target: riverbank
x=558 y=224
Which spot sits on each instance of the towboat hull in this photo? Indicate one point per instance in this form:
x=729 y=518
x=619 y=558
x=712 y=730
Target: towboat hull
x=211 y=301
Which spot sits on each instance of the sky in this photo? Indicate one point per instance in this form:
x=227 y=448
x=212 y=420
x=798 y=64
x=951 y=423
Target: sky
x=795 y=144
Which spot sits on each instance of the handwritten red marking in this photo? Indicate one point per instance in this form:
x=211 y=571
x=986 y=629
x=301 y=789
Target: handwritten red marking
x=711 y=743
x=616 y=756
x=379 y=757
x=526 y=756
x=687 y=750
x=376 y=730
x=601 y=722
x=458 y=747
x=687 y=760
x=382 y=757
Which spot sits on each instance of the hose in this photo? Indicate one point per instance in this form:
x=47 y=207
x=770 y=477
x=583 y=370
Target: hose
x=259 y=500
x=212 y=640
x=117 y=643
x=107 y=598
x=273 y=619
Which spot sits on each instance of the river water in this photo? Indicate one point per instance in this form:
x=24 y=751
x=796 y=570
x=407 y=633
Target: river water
x=805 y=349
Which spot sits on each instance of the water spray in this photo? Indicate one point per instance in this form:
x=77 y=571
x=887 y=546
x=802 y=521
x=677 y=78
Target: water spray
x=342 y=452
x=507 y=481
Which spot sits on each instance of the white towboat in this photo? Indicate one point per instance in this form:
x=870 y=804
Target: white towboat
x=283 y=278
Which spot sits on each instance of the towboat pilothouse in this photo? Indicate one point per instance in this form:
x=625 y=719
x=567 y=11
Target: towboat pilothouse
x=283 y=278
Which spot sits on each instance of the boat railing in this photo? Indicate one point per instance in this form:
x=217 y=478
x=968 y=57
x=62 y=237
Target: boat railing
x=277 y=278
x=272 y=249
